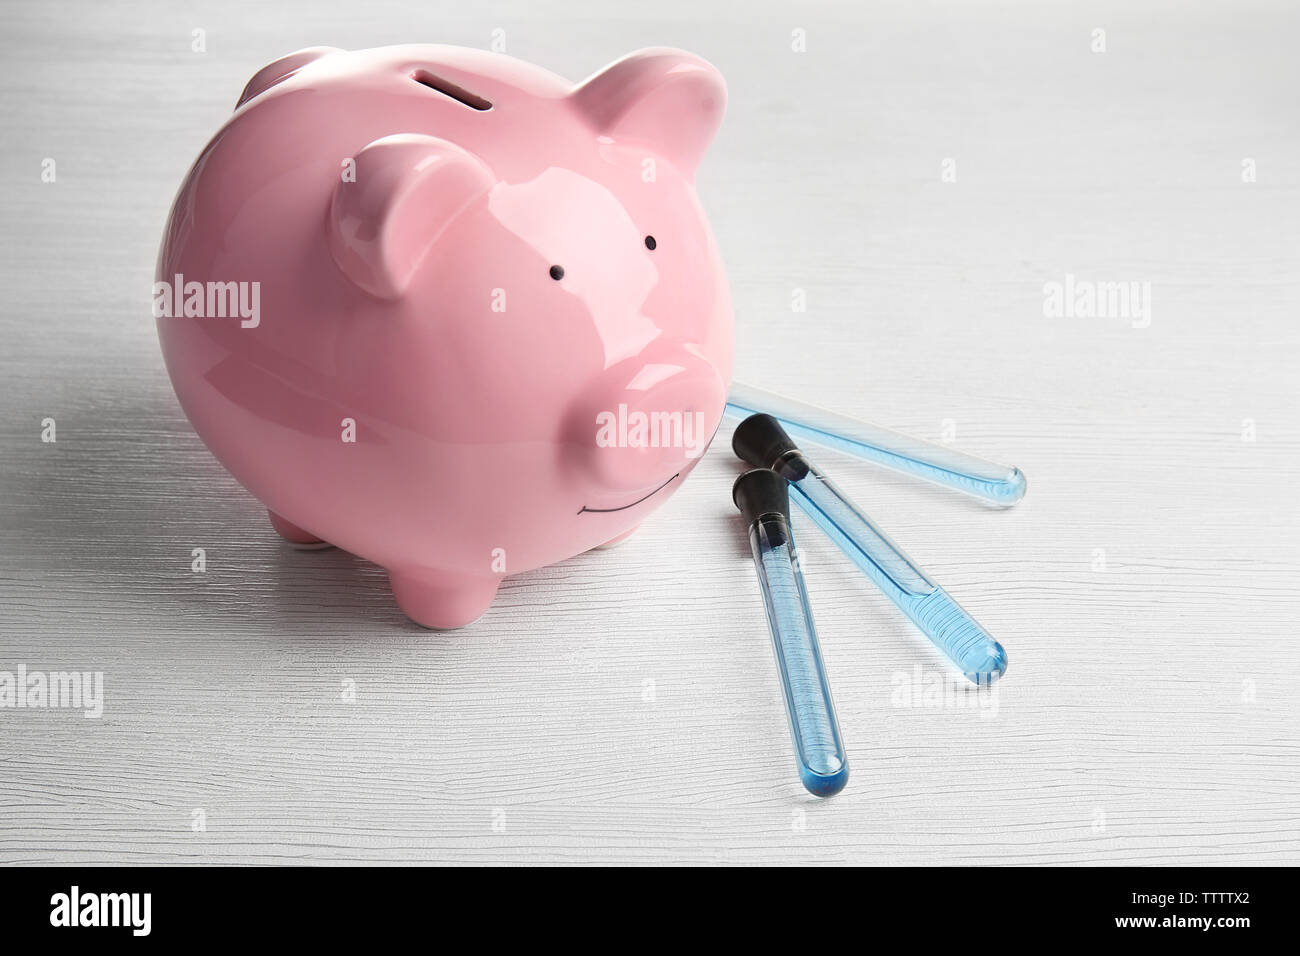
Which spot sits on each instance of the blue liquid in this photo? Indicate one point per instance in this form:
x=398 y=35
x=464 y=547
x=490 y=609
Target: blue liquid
x=995 y=484
x=955 y=632
x=945 y=622
x=819 y=752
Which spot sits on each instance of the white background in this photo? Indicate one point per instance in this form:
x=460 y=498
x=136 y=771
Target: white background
x=624 y=705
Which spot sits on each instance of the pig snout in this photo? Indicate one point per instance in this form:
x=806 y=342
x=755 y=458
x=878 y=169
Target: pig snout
x=645 y=420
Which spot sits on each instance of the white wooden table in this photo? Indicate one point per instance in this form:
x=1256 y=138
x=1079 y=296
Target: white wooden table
x=624 y=706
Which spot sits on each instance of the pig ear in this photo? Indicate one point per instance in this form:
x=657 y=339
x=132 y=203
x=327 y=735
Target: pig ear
x=407 y=189
x=667 y=99
x=282 y=69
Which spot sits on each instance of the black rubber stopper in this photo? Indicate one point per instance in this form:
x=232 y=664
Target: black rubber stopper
x=761 y=492
x=760 y=440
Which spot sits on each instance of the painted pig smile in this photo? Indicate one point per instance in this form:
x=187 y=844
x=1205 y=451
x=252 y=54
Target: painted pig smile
x=633 y=504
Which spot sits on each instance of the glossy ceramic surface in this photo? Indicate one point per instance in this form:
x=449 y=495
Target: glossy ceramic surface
x=465 y=282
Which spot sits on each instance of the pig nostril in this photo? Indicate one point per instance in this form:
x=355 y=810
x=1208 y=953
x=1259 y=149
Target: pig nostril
x=557 y=273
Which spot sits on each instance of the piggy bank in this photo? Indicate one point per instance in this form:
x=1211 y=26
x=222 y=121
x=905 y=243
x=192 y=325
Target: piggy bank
x=450 y=312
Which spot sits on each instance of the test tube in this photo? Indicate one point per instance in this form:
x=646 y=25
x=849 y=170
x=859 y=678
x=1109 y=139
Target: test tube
x=761 y=441
x=763 y=499
x=995 y=484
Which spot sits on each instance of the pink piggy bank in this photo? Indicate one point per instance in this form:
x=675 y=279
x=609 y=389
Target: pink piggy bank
x=447 y=311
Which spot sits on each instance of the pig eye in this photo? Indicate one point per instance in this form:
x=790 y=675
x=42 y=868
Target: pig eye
x=557 y=273
x=650 y=243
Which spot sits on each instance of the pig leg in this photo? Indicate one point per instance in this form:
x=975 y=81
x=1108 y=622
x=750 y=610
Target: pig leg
x=440 y=600
x=616 y=541
x=294 y=535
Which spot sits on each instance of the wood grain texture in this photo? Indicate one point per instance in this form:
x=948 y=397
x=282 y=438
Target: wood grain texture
x=624 y=706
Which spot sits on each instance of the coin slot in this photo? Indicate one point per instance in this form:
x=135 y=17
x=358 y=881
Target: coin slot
x=447 y=88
